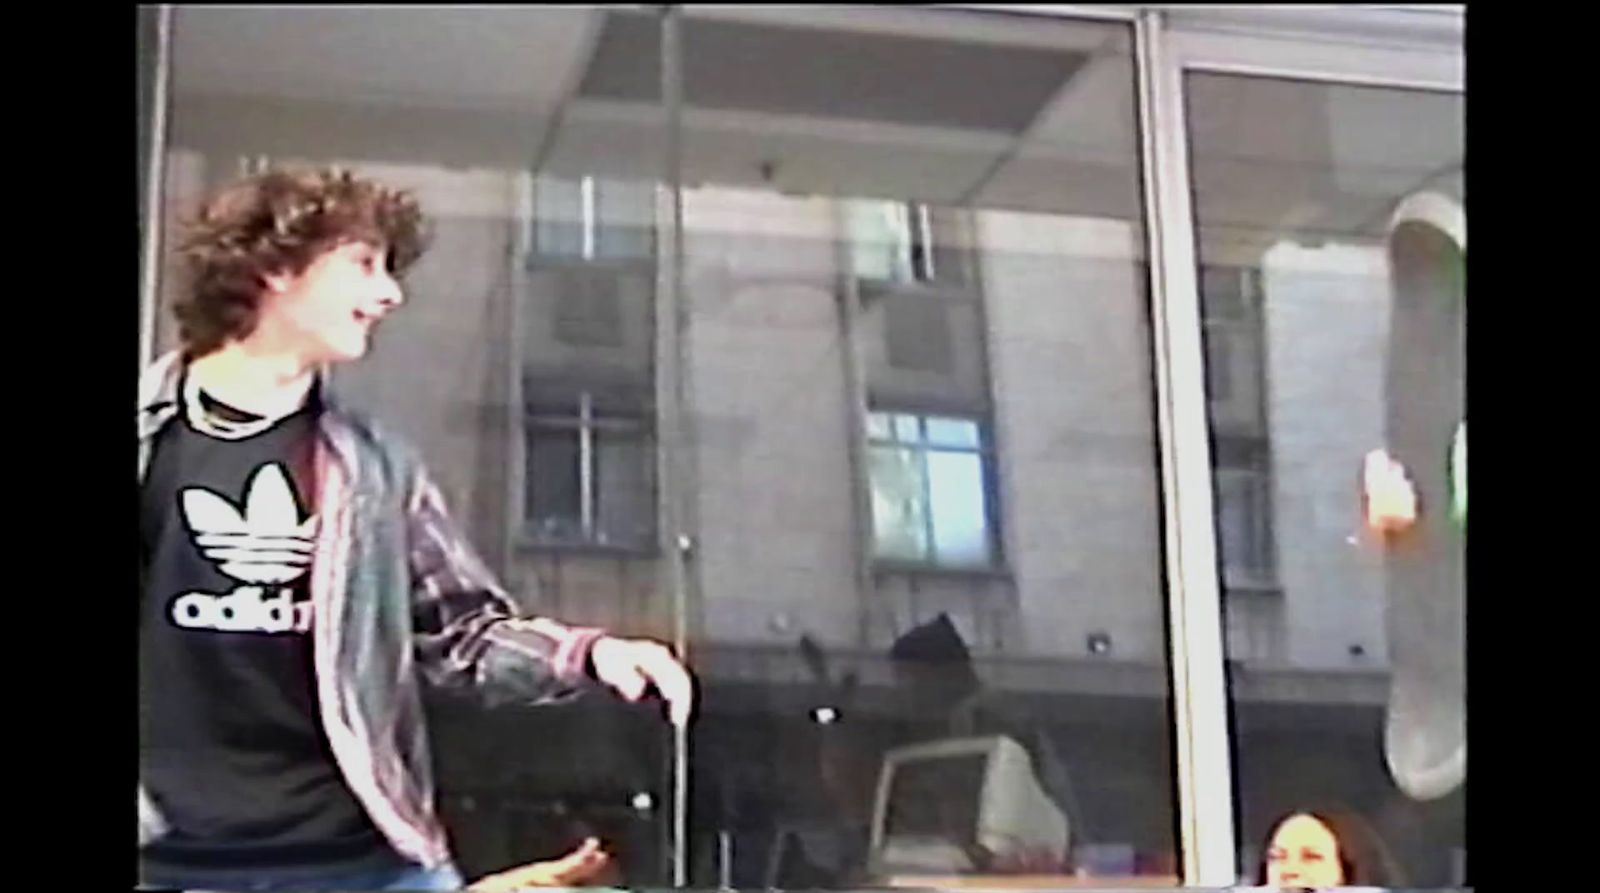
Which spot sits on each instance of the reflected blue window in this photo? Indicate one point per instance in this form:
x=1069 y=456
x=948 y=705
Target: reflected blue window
x=899 y=504
x=907 y=428
x=956 y=508
x=945 y=432
x=929 y=489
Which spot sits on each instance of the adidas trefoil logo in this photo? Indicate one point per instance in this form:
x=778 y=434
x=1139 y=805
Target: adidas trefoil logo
x=266 y=545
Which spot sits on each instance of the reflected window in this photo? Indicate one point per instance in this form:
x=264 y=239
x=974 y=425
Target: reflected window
x=1253 y=620
x=592 y=218
x=1230 y=303
x=1244 y=514
x=589 y=478
x=588 y=371
x=905 y=243
x=931 y=503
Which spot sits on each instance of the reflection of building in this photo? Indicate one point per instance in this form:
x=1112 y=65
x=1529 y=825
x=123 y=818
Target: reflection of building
x=1051 y=467
x=966 y=338
x=919 y=343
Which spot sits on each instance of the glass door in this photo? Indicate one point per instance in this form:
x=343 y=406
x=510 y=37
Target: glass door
x=1314 y=214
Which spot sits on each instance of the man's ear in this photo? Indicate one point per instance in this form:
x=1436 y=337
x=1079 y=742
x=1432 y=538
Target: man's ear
x=275 y=283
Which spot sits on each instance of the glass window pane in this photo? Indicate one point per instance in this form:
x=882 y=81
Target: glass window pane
x=1219 y=364
x=899 y=504
x=880 y=240
x=1343 y=327
x=625 y=212
x=625 y=499
x=907 y=428
x=558 y=217
x=1243 y=527
x=878 y=426
x=957 y=508
x=492 y=117
x=987 y=563
x=554 y=497
x=950 y=246
x=948 y=432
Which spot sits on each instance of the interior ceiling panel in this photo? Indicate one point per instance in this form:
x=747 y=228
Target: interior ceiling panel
x=742 y=66
x=467 y=57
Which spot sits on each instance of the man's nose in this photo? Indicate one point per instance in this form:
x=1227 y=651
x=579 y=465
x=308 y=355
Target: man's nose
x=390 y=294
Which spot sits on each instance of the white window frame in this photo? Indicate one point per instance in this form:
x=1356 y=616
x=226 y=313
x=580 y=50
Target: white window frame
x=154 y=176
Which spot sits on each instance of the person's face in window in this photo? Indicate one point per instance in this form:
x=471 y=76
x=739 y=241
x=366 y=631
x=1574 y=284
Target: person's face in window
x=1303 y=853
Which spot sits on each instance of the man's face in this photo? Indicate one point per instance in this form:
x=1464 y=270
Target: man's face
x=1303 y=853
x=326 y=313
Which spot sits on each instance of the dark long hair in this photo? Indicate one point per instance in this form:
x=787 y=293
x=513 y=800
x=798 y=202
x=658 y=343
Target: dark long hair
x=1365 y=859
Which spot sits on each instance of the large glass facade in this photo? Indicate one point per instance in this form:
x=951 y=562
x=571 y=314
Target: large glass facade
x=521 y=365
x=826 y=343
x=918 y=346
x=1331 y=233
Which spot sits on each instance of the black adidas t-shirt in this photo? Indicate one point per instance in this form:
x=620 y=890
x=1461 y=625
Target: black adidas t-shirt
x=232 y=746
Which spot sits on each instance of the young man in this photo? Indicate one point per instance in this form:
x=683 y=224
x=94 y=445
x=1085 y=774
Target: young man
x=300 y=577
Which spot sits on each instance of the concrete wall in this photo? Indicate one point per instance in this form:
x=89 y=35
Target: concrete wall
x=1326 y=336
x=1073 y=387
x=767 y=381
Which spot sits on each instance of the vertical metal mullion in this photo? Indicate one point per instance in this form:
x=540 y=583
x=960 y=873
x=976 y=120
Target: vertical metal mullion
x=905 y=254
x=926 y=228
x=586 y=473
x=524 y=213
x=923 y=449
x=155 y=186
x=586 y=211
x=676 y=485
x=1205 y=780
x=857 y=412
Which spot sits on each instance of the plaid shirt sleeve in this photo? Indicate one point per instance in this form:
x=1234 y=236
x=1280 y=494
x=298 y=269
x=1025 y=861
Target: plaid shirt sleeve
x=467 y=630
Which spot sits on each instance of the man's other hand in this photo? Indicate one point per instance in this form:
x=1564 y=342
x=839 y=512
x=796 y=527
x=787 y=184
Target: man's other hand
x=632 y=666
x=570 y=870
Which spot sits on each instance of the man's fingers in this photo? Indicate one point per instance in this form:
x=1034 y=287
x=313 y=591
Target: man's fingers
x=616 y=663
x=627 y=680
x=672 y=680
x=633 y=666
x=589 y=847
x=581 y=862
x=578 y=865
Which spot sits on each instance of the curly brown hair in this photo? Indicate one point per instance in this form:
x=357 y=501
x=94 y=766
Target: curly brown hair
x=279 y=222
